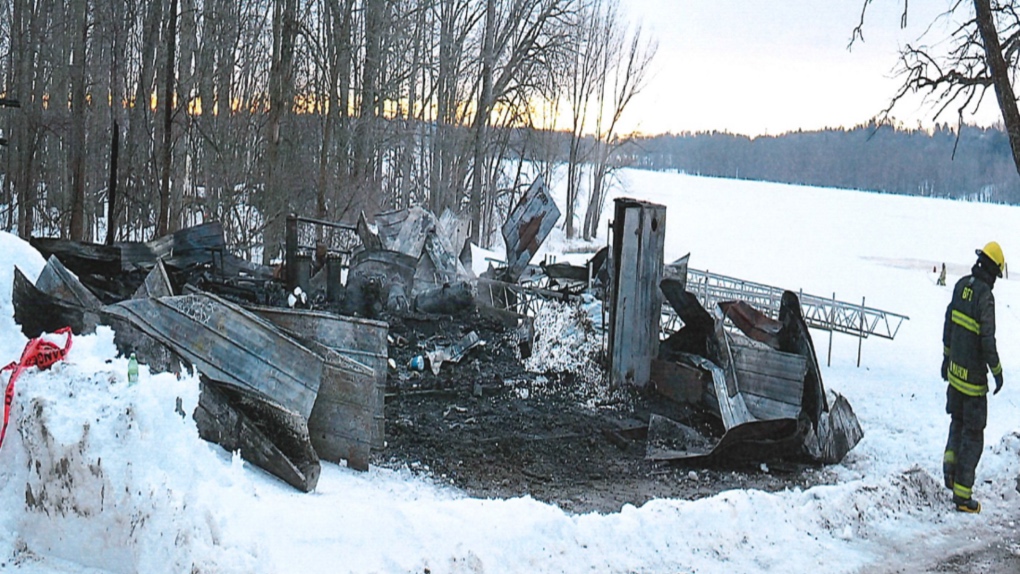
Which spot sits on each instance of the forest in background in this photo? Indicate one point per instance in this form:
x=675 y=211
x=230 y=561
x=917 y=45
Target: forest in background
x=243 y=111
x=977 y=166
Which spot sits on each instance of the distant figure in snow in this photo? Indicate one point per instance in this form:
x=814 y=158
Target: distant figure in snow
x=942 y=276
x=968 y=343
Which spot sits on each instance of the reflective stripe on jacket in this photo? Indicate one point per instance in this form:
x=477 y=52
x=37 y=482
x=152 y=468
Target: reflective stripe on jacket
x=968 y=337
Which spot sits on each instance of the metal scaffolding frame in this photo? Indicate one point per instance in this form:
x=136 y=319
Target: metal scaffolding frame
x=819 y=312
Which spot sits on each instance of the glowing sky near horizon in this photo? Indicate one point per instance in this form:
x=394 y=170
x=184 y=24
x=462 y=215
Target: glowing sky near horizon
x=755 y=67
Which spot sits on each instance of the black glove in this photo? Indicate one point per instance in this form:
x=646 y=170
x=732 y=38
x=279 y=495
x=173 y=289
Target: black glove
x=998 y=384
x=945 y=368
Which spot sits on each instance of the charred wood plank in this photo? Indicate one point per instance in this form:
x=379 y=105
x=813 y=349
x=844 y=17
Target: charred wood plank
x=639 y=232
x=181 y=249
x=752 y=322
x=265 y=434
x=678 y=381
x=156 y=284
x=794 y=337
x=699 y=326
x=149 y=351
x=405 y=230
x=770 y=374
x=347 y=415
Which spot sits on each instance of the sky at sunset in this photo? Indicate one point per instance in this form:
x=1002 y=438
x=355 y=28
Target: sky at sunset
x=756 y=67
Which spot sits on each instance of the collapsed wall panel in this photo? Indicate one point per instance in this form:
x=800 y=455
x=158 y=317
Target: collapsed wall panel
x=57 y=281
x=348 y=415
x=772 y=382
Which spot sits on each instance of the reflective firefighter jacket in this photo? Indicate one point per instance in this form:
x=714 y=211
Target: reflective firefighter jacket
x=968 y=336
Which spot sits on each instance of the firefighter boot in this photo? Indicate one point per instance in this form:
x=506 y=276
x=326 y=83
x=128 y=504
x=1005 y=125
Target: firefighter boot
x=966 y=505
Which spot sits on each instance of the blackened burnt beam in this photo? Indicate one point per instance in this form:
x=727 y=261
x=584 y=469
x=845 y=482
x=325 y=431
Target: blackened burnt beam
x=9 y=103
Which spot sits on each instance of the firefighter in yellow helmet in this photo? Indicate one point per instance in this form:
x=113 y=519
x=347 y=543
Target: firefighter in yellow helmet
x=968 y=339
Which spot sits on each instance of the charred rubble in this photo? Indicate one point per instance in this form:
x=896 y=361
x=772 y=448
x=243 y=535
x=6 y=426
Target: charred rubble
x=377 y=345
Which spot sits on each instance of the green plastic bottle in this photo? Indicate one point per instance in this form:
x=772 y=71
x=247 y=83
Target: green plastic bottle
x=132 y=369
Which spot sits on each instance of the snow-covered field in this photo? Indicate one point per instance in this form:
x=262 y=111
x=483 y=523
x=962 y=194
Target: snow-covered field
x=97 y=476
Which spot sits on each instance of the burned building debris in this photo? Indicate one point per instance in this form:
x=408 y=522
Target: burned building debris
x=763 y=383
x=398 y=354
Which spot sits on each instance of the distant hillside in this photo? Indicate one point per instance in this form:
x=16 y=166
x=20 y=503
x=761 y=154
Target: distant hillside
x=870 y=157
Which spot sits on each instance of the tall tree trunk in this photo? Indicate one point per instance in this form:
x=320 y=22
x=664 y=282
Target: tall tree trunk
x=280 y=89
x=411 y=122
x=479 y=227
x=167 y=103
x=345 y=58
x=1000 y=76
x=30 y=89
x=333 y=28
x=111 y=206
x=365 y=144
x=139 y=149
x=79 y=31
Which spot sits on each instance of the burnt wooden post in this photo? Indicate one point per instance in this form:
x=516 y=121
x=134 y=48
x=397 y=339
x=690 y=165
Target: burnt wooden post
x=111 y=206
x=290 y=252
x=334 y=277
x=639 y=231
x=302 y=270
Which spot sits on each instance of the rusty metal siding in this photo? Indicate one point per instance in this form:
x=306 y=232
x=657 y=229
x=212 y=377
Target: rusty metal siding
x=526 y=228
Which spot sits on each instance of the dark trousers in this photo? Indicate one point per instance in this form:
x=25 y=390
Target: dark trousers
x=966 y=437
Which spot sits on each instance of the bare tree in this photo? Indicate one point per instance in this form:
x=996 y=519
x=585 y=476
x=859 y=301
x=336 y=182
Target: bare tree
x=522 y=47
x=166 y=103
x=285 y=27
x=79 y=32
x=621 y=76
x=983 y=52
x=243 y=110
x=586 y=51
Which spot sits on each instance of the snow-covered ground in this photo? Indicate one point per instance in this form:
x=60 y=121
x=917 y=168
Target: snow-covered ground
x=99 y=476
